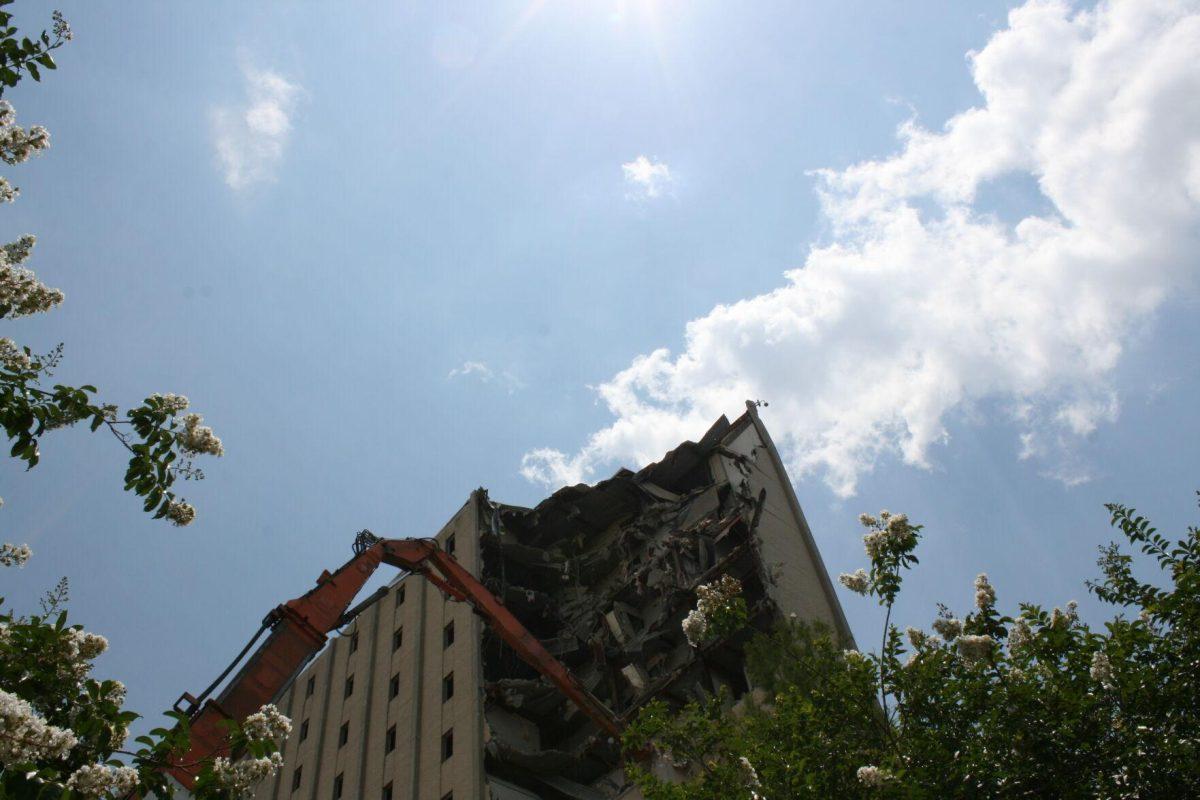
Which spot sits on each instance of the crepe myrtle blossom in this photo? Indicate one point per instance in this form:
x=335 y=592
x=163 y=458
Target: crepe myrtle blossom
x=8 y=192
x=872 y=776
x=1019 y=635
x=858 y=581
x=948 y=627
x=25 y=737
x=18 y=145
x=97 y=780
x=1101 y=671
x=267 y=724
x=14 y=555
x=974 y=649
x=985 y=593
x=240 y=777
x=713 y=601
x=20 y=290
x=12 y=356
x=197 y=438
x=172 y=403
x=62 y=28
x=695 y=627
x=181 y=513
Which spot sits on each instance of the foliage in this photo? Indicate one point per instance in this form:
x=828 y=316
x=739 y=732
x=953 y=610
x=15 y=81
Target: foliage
x=987 y=705
x=63 y=732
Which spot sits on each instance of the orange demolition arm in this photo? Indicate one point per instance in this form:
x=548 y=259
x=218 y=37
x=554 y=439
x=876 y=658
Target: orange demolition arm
x=300 y=628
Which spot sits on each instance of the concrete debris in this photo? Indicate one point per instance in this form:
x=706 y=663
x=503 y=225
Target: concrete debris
x=603 y=575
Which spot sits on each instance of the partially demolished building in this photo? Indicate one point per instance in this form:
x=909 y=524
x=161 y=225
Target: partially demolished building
x=417 y=699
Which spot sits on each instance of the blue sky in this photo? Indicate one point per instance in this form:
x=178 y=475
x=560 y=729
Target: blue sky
x=393 y=253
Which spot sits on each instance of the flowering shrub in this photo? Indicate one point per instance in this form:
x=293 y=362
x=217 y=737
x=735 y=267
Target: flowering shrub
x=720 y=610
x=1033 y=704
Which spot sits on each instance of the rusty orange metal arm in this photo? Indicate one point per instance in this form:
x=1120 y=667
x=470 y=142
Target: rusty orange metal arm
x=420 y=555
x=300 y=628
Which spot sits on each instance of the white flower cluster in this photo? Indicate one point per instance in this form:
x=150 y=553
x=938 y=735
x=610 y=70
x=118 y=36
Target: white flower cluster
x=858 y=581
x=918 y=638
x=1101 y=671
x=887 y=528
x=711 y=600
x=874 y=777
x=948 y=628
x=181 y=513
x=14 y=555
x=974 y=649
x=62 y=28
x=8 y=192
x=20 y=289
x=695 y=627
x=18 y=145
x=13 y=356
x=83 y=645
x=97 y=780
x=197 y=438
x=1019 y=635
x=25 y=737
x=750 y=774
x=240 y=777
x=172 y=403
x=267 y=724
x=985 y=593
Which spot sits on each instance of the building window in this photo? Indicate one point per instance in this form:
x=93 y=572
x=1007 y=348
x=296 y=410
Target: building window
x=448 y=796
x=447 y=687
x=337 y=787
x=397 y=639
x=354 y=643
x=447 y=744
x=303 y=730
x=394 y=686
x=450 y=544
x=296 y=779
x=349 y=686
x=448 y=635
x=399 y=594
x=387 y=792
x=344 y=734
x=389 y=743
x=312 y=686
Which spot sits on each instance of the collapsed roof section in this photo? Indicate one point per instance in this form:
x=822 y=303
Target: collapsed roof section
x=604 y=576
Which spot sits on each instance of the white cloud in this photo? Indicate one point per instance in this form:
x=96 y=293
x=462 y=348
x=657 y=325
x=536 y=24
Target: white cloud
x=485 y=374
x=907 y=317
x=646 y=179
x=250 y=140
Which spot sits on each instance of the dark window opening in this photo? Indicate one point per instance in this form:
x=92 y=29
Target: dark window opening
x=349 y=686
x=387 y=792
x=312 y=686
x=450 y=544
x=390 y=740
x=344 y=734
x=448 y=796
x=354 y=643
x=296 y=779
x=447 y=687
x=399 y=594
x=337 y=786
x=397 y=639
x=447 y=744
x=303 y=730
x=448 y=635
x=394 y=686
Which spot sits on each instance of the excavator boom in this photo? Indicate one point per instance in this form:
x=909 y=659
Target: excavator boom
x=300 y=627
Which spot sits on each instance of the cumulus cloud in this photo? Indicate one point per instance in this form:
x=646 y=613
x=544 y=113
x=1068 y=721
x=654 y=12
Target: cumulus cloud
x=485 y=374
x=646 y=179
x=922 y=305
x=250 y=139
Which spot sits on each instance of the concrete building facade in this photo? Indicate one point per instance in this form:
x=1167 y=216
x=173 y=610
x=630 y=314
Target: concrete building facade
x=417 y=700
